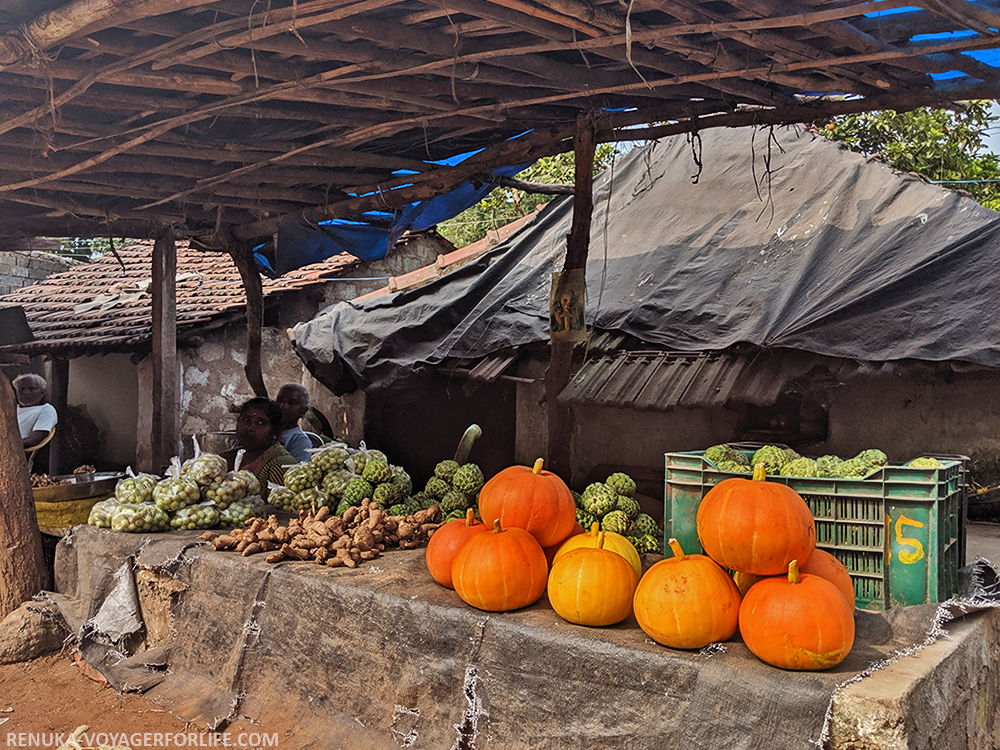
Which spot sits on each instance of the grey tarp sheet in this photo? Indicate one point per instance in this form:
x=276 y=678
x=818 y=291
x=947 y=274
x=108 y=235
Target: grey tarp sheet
x=383 y=657
x=828 y=253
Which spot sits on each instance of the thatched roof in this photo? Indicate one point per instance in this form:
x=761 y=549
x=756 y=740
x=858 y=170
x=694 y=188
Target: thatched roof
x=120 y=116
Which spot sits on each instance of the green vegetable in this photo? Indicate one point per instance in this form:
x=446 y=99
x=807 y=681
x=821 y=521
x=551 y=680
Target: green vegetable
x=621 y=483
x=801 y=467
x=773 y=458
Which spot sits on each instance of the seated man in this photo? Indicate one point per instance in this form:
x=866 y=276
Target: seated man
x=293 y=399
x=35 y=418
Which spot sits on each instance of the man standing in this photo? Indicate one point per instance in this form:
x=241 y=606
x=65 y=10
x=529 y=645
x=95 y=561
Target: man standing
x=293 y=400
x=35 y=418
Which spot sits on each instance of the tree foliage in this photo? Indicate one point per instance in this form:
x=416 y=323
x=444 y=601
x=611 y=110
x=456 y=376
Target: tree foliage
x=940 y=144
x=504 y=205
x=85 y=248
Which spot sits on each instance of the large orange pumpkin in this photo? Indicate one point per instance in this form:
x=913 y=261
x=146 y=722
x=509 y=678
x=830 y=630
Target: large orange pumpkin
x=611 y=541
x=532 y=499
x=500 y=570
x=445 y=543
x=755 y=526
x=798 y=621
x=592 y=586
x=823 y=564
x=686 y=601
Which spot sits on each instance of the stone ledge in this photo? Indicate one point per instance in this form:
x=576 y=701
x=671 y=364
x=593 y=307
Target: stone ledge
x=946 y=696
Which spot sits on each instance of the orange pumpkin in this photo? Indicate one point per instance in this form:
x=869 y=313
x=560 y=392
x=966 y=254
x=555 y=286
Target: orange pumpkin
x=445 y=543
x=755 y=526
x=532 y=499
x=612 y=542
x=592 y=586
x=500 y=570
x=799 y=622
x=686 y=601
x=823 y=564
x=550 y=552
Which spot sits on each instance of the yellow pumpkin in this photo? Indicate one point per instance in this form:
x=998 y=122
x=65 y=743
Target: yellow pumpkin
x=612 y=542
x=592 y=585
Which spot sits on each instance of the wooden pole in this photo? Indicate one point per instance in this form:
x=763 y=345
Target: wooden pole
x=58 y=397
x=165 y=373
x=22 y=562
x=560 y=423
x=243 y=258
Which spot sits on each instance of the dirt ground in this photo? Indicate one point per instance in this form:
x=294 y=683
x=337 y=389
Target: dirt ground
x=53 y=695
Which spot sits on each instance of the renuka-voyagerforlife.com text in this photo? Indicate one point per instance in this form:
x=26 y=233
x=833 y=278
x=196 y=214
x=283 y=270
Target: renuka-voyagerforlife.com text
x=137 y=740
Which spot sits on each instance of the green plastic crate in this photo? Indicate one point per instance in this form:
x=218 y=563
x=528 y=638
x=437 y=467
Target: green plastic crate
x=900 y=531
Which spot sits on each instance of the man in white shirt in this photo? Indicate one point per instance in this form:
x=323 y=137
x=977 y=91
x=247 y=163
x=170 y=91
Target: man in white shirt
x=293 y=399
x=35 y=418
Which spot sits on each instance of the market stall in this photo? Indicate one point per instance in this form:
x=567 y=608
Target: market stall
x=381 y=655
x=328 y=613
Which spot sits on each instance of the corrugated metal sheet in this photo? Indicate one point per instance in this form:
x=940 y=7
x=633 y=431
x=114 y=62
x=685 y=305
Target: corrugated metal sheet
x=661 y=381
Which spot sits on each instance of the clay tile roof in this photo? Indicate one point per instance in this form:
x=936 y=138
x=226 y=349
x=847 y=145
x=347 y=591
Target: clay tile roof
x=100 y=307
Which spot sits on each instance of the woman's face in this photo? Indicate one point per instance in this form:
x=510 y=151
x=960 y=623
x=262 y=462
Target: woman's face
x=253 y=430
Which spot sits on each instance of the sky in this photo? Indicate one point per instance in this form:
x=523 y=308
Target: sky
x=992 y=139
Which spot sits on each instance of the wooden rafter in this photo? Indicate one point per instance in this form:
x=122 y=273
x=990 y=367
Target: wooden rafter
x=132 y=113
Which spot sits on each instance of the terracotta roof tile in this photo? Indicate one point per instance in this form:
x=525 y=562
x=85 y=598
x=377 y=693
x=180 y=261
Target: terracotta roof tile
x=102 y=306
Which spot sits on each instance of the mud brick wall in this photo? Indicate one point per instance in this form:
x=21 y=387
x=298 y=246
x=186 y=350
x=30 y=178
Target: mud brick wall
x=20 y=268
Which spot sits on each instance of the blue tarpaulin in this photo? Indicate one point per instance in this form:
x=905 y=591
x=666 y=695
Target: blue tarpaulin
x=370 y=236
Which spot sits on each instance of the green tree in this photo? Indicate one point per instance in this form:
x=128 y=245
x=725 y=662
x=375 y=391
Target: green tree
x=85 y=248
x=504 y=204
x=940 y=144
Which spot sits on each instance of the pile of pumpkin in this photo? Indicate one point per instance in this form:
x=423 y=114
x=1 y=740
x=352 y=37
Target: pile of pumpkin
x=762 y=573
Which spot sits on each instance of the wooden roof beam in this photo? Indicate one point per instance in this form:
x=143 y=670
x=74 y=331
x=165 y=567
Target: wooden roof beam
x=77 y=19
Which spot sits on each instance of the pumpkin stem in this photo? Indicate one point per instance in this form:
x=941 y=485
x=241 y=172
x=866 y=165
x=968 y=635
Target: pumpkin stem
x=496 y=526
x=472 y=433
x=595 y=527
x=600 y=540
x=793 y=572
x=759 y=475
x=470 y=517
x=537 y=468
x=675 y=547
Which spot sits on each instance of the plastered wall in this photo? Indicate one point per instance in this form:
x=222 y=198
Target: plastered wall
x=107 y=388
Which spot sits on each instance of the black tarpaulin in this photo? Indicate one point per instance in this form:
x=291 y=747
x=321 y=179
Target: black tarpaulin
x=798 y=244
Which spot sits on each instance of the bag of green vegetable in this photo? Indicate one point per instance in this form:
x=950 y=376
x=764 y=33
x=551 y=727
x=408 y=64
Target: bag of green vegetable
x=140 y=518
x=101 y=513
x=199 y=516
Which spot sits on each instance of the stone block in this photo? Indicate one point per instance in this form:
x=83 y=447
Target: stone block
x=32 y=630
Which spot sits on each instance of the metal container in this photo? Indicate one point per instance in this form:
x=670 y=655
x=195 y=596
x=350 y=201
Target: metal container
x=59 y=507
x=78 y=486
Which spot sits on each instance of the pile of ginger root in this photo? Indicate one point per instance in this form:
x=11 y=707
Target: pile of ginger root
x=361 y=534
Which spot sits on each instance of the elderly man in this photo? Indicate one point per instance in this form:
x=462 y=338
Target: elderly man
x=293 y=399
x=35 y=418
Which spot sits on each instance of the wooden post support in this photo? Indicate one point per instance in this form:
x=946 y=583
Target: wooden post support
x=22 y=562
x=58 y=397
x=165 y=371
x=557 y=375
x=243 y=258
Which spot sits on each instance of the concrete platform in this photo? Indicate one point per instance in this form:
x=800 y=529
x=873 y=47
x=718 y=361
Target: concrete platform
x=382 y=657
x=983 y=540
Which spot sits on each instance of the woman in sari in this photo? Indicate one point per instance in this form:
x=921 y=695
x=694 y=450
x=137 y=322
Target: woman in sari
x=257 y=430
